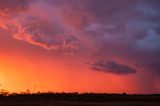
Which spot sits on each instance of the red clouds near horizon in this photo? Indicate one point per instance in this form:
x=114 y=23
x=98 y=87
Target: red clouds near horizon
x=120 y=38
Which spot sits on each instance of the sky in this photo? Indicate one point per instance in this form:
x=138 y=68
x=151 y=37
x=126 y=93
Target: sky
x=101 y=46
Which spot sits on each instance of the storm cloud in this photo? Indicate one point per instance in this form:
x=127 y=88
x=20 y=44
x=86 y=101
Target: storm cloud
x=8 y=7
x=113 y=67
x=122 y=30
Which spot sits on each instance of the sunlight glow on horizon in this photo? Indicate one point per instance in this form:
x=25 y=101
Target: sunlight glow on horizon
x=103 y=46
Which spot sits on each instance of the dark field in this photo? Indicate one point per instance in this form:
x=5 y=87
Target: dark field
x=75 y=99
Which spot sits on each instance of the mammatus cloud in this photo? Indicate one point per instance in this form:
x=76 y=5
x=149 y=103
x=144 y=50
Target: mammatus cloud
x=113 y=67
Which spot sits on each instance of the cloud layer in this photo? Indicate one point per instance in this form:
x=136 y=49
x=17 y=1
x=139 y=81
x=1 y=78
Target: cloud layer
x=118 y=30
x=113 y=67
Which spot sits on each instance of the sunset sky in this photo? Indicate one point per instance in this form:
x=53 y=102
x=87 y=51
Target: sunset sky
x=102 y=46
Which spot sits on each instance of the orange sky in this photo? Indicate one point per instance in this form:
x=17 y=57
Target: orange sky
x=79 y=46
x=21 y=69
x=23 y=66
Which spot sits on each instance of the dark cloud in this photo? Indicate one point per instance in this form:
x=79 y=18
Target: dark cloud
x=42 y=23
x=126 y=30
x=113 y=67
x=8 y=7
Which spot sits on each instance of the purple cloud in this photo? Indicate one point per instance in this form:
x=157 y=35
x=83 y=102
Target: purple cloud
x=126 y=30
x=113 y=67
